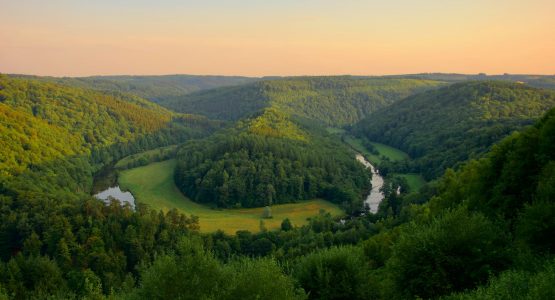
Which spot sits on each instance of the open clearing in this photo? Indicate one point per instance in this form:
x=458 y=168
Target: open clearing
x=153 y=185
x=414 y=180
x=393 y=154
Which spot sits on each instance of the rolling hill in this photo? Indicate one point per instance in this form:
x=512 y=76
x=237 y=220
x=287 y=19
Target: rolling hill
x=43 y=122
x=154 y=88
x=539 y=81
x=444 y=127
x=332 y=101
x=267 y=160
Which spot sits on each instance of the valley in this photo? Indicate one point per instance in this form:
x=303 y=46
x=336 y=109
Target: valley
x=277 y=150
x=250 y=176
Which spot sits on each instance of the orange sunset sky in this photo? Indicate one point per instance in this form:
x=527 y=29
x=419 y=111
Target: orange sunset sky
x=285 y=37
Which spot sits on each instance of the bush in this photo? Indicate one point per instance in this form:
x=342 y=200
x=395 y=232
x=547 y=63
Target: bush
x=335 y=273
x=456 y=251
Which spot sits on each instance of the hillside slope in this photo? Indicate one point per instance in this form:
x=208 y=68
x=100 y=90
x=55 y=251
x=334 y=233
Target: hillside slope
x=42 y=122
x=333 y=101
x=154 y=88
x=444 y=127
x=539 y=81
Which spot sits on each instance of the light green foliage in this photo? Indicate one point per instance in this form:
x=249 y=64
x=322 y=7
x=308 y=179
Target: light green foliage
x=42 y=122
x=274 y=123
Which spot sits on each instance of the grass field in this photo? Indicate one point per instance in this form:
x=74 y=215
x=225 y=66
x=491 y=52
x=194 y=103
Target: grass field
x=153 y=185
x=415 y=181
x=393 y=154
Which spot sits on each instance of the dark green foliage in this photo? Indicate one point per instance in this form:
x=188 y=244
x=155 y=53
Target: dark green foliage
x=442 y=128
x=523 y=285
x=454 y=252
x=193 y=273
x=190 y=274
x=536 y=224
x=286 y=224
x=57 y=242
x=335 y=273
x=242 y=169
x=518 y=171
x=539 y=81
x=333 y=101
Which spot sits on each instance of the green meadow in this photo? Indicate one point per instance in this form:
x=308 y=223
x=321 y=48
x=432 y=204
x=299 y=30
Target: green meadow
x=393 y=154
x=414 y=180
x=153 y=185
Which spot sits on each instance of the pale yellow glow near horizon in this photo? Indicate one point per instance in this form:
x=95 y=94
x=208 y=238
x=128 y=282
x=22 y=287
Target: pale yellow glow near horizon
x=258 y=38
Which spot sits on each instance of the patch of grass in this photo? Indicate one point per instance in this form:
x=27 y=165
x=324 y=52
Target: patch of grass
x=415 y=181
x=153 y=185
x=393 y=154
x=359 y=147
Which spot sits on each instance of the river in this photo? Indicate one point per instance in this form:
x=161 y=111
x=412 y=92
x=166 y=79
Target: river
x=376 y=196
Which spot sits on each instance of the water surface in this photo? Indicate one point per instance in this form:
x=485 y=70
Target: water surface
x=116 y=193
x=376 y=196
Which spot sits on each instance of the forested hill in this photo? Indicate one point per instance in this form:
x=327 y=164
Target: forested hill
x=539 y=81
x=44 y=121
x=270 y=160
x=493 y=220
x=154 y=88
x=443 y=127
x=334 y=101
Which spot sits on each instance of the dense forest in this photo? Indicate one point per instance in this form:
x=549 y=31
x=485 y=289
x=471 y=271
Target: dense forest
x=154 y=88
x=482 y=231
x=270 y=160
x=43 y=122
x=539 y=81
x=444 y=127
x=333 y=101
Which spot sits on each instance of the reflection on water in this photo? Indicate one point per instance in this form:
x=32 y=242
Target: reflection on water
x=116 y=193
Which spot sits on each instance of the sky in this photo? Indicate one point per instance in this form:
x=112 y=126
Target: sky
x=276 y=37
